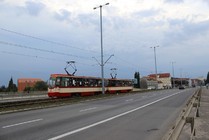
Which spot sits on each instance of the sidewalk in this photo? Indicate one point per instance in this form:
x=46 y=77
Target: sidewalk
x=202 y=122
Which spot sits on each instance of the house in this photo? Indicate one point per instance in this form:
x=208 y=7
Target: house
x=148 y=83
x=164 y=80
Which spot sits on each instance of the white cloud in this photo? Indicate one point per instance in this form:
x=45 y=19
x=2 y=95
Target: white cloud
x=130 y=28
x=34 y=8
x=62 y=14
x=174 y=1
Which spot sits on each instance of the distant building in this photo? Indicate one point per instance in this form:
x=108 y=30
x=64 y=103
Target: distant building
x=148 y=83
x=182 y=82
x=26 y=82
x=164 y=80
x=197 y=82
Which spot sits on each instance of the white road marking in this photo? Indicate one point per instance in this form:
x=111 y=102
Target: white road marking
x=88 y=109
x=32 y=121
x=111 y=118
x=144 y=96
x=129 y=100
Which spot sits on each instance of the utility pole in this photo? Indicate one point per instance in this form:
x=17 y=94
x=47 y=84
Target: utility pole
x=155 y=64
x=181 y=77
x=102 y=61
x=173 y=73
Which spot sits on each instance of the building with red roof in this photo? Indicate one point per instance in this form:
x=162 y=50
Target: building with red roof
x=22 y=83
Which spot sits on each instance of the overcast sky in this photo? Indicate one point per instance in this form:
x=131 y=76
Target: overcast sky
x=37 y=37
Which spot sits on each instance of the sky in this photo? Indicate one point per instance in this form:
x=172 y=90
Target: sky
x=38 y=37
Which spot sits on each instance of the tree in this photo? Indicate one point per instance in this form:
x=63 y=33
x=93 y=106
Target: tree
x=137 y=80
x=207 y=80
x=40 y=86
x=11 y=86
x=28 y=89
x=2 y=88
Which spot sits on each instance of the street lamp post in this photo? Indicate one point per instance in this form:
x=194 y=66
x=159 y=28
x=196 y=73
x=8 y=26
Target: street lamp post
x=155 y=61
x=102 y=61
x=173 y=73
x=181 y=76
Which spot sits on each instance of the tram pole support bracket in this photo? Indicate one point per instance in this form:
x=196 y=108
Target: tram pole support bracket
x=102 y=65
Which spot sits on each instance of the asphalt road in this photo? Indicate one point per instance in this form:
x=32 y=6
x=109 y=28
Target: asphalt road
x=144 y=116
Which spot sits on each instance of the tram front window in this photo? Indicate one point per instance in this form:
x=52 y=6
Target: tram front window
x=51 y=82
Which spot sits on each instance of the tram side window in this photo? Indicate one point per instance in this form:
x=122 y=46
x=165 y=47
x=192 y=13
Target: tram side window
x=79 y=82
x=129 y=83
x=58 y=81
x=83 y=82
x=105 y=83
x=118 y=83
x=65 y=82
x=97 y=83
x=76 y=82
x=86 y=82
x=91 y=83
x=70 y=82
x=123 y=83
x=111 y=83
x=73 y=82
x=94 y=82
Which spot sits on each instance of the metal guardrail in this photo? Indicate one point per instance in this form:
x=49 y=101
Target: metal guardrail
x=184 y=118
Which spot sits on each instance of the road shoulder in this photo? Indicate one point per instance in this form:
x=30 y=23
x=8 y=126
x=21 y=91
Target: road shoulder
x=202 y=122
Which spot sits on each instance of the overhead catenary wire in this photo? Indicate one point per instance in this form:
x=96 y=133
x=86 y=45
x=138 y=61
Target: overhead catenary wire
x=39 y=57
x=45 y=40
x=42 y=50
x=130 y=65
x=107 y=68
x=32 y=56
x=54 y=42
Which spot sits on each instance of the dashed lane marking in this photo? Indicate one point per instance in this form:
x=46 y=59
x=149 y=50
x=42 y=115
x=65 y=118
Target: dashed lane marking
x=88 y=109
x=26 y=122
x=129 y=100
x=111 y=118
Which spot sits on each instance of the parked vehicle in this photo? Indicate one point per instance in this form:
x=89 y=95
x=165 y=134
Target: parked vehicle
x=181 y=87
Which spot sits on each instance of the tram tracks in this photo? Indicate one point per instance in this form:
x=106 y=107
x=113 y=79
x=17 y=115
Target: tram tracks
x=15 y=106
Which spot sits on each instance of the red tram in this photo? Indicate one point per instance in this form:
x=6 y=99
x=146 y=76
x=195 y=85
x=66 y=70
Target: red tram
x=64 y=85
